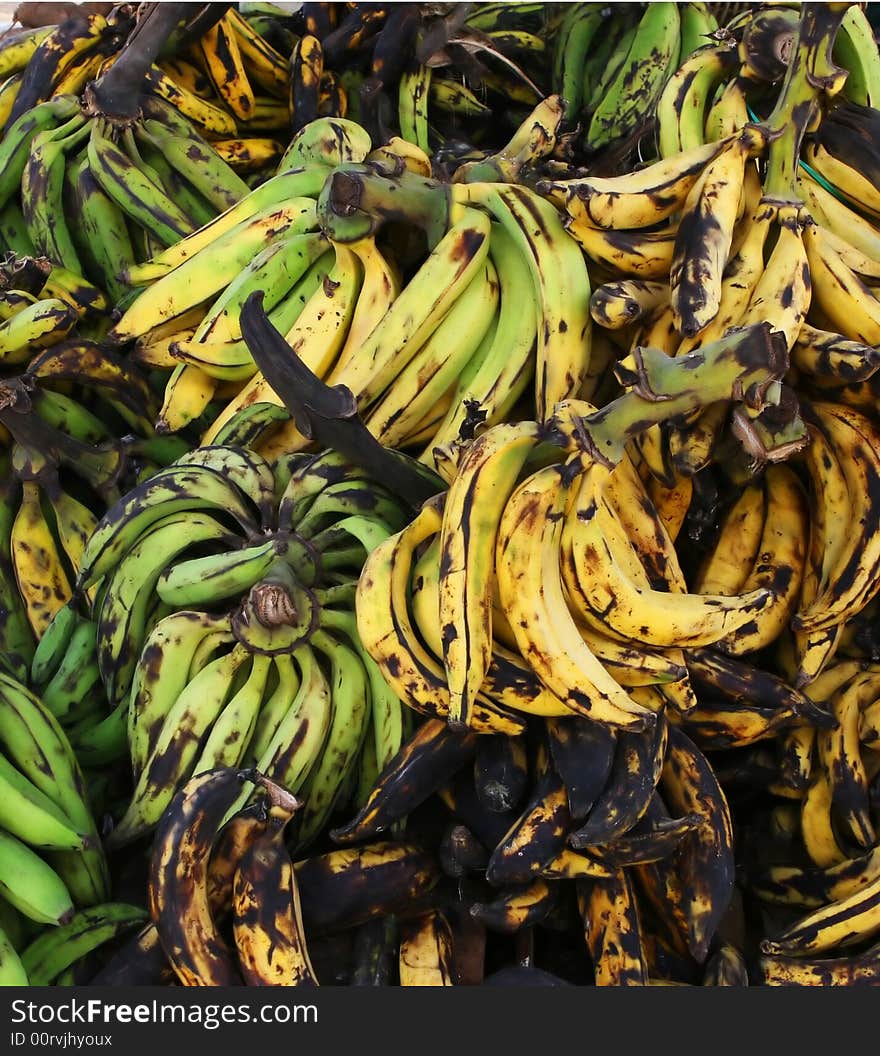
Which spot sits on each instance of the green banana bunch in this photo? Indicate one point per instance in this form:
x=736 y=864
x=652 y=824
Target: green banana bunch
x=218 y=651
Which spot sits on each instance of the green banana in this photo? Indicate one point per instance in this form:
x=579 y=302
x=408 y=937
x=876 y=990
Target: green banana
x=54 y=951
x=31 y=885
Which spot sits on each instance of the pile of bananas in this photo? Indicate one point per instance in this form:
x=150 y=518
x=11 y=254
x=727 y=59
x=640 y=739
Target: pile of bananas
x=440 y=495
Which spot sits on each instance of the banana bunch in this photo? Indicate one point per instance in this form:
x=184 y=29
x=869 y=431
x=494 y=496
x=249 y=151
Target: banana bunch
x=547 y=535
x=98 y=182
x=463 y=337
x=77 y=432
x=612 y=65
x=223 y=633
x=816 y=873
x=435 y=75
x=633 y=828
x=53 y=859
x=332 y=285
x=185 y=318
x=40 y=305
x=272 y=908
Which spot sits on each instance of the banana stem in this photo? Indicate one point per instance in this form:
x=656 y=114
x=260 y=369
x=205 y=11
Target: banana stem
x=117 y=93
x=741 y=367
x=329 y=415
x=774 y=435
x=810 y=73
x=356 y=200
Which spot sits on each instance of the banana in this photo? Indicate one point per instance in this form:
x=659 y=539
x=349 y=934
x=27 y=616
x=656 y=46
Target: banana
x=302 y=299
x=18 y=47
x=437 y=365
x=265 y=199
x=582 y=752
x=848 y=231
x=388 y=636
x=426 y=955
x=30 y=815
x=615 y=305
x=177 y=891
x=725 y=568
x=202 y=580
x=856 y=50
x=76 y=674
x=426 y=761
x=248 y=154
x=637 y=254
x=813 y=886
x=187 y=395
x=267 y=918
x=225 y=68
x=38 y=325
x=635 y=771
x=41 y=190
x=379 y=287
x=851 y=581
x=414 y=94
x=266 y=66
x=820 y=353
x=289 y=317
x=844 y=922
x=533 y=844
x=74 y=523
x=779 y=562
x=581 y=24
x=229 y=737
x=348 y=726
x=37 y=746
x=729 y=113
x=122 y=620
x=31 y=885
x=12 y=971
x=471 y=516
x=142 y=199
x=19 y=134
x=306 y=71
x=705 y=235
x=323 y=144
x=501 y=773
x=861 y=969
x=101 y=236
x=51 y=649
x=287 y=746
x=39 y=571
x=843 y=297
x=609 y=909
x=190 y=103
x=196 y=162
x=839 y=753
x=782 y=295
x=161 y=674
x=705 y=858
x=17 y=642
x=50 y=954
x=516 y=908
